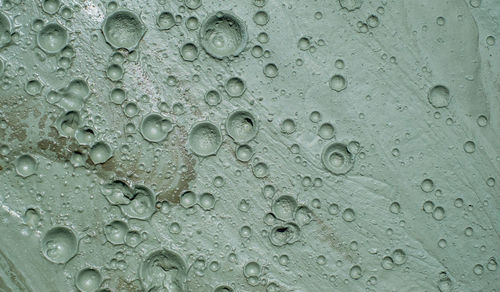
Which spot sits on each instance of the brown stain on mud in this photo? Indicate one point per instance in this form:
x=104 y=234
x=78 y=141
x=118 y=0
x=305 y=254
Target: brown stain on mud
x=131 y=171
x=328 y=235
x=125 y=286
x=47 y=142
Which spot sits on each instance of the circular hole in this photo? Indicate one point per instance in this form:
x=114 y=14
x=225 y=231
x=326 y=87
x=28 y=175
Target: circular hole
x=439 y=96
x=326 y=131
x=50 y=6
x=244 y=153
x=26 y=165
x=66 y=12
x=192 y=23
x=213 y=98
x=155 y=127
x=187 y=199
x=223 y=34
x=189 y=52
x=207 y=201
x=123 y=29
x=114 y=72
x=235 y=86
x=5 y=30
x=52 y=38
x=337 y=159
x=165 y=20
x=288 y=126
x=141 y=205
x=88 y=280
x=261 y=18
x=165 y=265
x=115 y=232
x=284 y=207
x=85 y=136
x=192 y=4
x=241 y=126
x=223 y=288
x=338 y=83
x=271 y=70
x=204 y=139
x=100 y=152
x=59 y=244
x=130 y=109
x=117 y=95
x=33 y=87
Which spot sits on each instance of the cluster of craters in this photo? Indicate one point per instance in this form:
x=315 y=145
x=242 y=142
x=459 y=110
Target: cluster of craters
x=222 y=36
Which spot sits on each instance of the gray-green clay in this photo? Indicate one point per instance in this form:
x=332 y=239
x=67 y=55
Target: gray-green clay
x=249 y=146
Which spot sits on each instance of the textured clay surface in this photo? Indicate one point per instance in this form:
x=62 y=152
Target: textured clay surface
x=256 y=145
